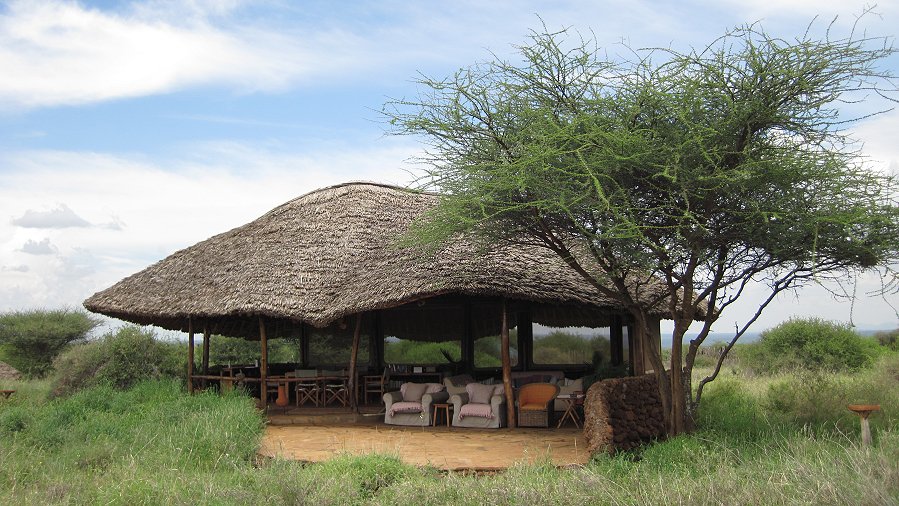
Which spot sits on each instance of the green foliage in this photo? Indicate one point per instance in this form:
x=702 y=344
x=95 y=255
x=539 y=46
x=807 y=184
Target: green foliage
x=888 y=339
x=488 y=350
x=225 y=350
x=405 y=351
x=154 y=444
x=730 y=408
x=819 y=399
x=367 y=474
x=32 y=339
x=811 y=344
x=119 y=359
x=560 y=347
x=680 y=171
x=103 y=446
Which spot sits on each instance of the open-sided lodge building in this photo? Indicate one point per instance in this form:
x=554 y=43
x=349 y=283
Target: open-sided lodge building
x=326 y=270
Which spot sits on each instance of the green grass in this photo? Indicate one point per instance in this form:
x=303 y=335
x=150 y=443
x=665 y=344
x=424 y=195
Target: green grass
x=153 y=444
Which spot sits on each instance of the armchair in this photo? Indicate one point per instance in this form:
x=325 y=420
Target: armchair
x=535 y=404
x=411 y=405
x=480 y=406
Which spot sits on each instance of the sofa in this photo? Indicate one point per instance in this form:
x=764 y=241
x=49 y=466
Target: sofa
x=413 y=403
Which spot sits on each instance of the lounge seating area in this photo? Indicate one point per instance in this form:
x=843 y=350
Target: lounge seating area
x=480 y=404
x=459 y=401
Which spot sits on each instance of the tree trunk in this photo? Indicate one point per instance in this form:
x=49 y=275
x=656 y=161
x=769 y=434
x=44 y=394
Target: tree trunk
x=665 y=390
x=678 y=395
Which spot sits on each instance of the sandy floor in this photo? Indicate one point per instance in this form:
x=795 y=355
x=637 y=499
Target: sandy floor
x=441 y=447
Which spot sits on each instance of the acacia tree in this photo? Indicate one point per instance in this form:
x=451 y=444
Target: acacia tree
x=32 y=339
x=669 y=180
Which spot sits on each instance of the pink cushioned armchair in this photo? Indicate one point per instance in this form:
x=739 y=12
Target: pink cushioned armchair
x=411 y=405
x=480 y=406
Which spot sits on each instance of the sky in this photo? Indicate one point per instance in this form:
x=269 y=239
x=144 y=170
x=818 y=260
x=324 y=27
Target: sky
x=130 y=130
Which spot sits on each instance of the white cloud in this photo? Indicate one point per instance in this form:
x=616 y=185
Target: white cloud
x=60 y=217
x=39 y=248
x=55 y=53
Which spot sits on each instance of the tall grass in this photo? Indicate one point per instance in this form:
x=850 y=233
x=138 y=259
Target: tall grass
x=154 y=444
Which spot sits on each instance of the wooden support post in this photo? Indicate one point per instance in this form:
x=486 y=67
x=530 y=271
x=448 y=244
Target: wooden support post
x=616 y=341
x=263 y=365
x=206 y=337
x=355 y=353
x=205 y=365
x=304 y=346
x=467 y=358
x=190 y=355
x=507 y=368
x=637 y=344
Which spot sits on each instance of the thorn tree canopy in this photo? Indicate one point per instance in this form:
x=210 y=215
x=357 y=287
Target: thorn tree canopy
x=703 y=170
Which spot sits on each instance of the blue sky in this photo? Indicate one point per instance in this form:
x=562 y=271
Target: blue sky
x=129 y=130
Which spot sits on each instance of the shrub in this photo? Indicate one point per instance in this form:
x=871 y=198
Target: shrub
x=819 y=400
x=810 y=344
x=33 y=339
x=888 y=339
x=729 y=407
x=236 y=350
x=119 y=359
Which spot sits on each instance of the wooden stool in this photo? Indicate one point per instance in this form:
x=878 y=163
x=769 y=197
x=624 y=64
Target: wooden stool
x=447 y=412
x=7 y=393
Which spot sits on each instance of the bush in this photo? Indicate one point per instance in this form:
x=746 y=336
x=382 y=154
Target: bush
x=33 y=339
x=819 y=400
x=729 y=407
x=810 y=344
x=888 y=339
x=237 y=350
x=119 y=359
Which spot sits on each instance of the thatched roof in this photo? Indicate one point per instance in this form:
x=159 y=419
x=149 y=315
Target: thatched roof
x=9 y=372
x=329 y=254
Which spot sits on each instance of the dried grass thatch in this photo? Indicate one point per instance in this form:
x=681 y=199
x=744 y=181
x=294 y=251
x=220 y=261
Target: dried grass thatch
x=325 y=255
x=8 y=372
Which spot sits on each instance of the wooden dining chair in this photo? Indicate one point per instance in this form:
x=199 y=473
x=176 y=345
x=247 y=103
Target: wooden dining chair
x=307 y=387
x=375 y=385
x=336 y=388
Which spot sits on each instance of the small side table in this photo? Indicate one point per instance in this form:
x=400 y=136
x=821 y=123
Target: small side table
x=7 y=393
x=447 y=409
x=572 y=401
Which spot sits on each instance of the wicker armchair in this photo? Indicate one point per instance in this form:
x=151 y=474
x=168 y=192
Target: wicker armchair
x=535 y=404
